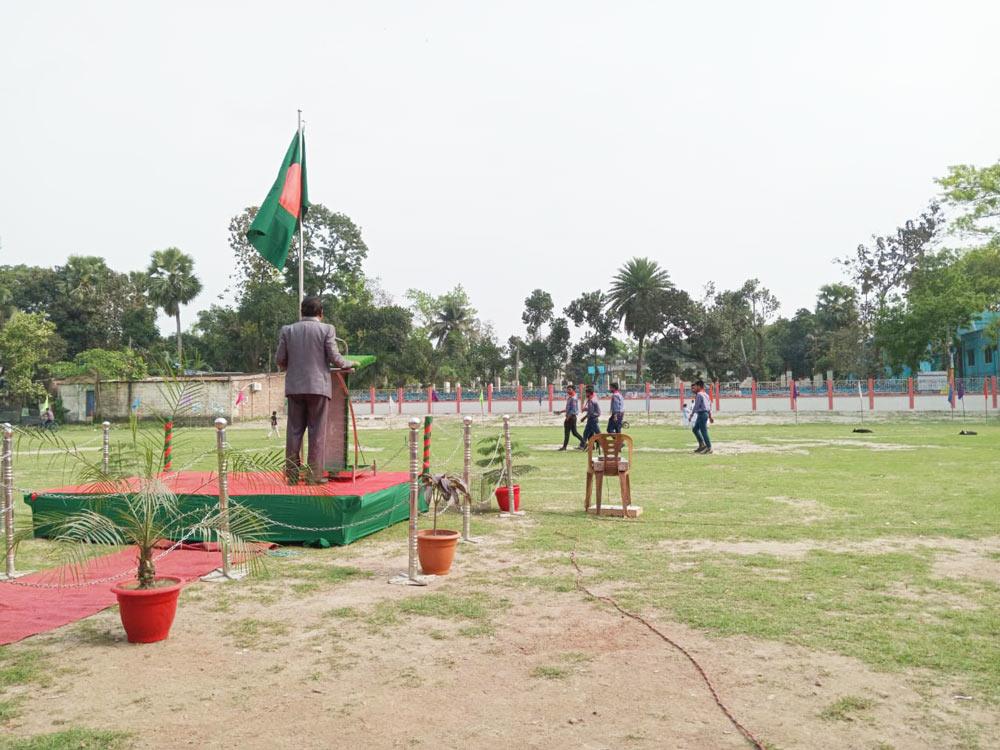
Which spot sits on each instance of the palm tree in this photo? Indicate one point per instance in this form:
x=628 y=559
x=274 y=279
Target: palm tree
x=639 y=296
x=172 y=283
x=453 y=317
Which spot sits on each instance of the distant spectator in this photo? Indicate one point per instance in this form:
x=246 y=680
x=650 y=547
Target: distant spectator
x=592 y=412
x=617 y=410
x=702 y=416
x=569 y=423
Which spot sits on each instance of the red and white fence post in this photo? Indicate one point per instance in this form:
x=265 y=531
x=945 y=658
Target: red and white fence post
x=829 y=395
x=909 y=392
x=718 y=396
x=520 y=397
x=871 y=394
x=993 y=388
x=753 y=395
x=430 y=399
x=371 y=397
x=399 y=400
x=791 y=394
x=552 y=396
x=458 y=399
x=489 y=398
x=680 y=391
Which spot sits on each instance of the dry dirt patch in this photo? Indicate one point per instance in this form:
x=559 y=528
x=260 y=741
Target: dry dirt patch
x=553 y=671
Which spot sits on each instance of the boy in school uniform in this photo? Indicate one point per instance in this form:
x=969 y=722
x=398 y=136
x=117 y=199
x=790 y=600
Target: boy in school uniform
x=617 y=410
x=569 y=423
x=274 y=425
x=592 y=412
x=702 y=412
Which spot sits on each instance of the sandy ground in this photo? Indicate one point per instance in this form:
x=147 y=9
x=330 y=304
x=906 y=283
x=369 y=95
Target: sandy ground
x=558 y=671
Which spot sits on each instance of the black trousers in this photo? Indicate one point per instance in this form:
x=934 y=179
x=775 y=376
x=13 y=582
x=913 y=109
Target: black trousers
x=569 y=428
x=306 y=412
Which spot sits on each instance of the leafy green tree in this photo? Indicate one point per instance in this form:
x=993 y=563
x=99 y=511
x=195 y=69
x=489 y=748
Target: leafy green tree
x=882 y=270
x=382 y=331
x=27 y=342
x=544 y=351
x=172 y=283
x=103 y=364
x=6 y=301
x=453 y=320
x=639 y=300
x=941 y=298
x=838 y=338
x=486 y=357
x=789 y=344
x=334 y=260
x=975 y=192
x=538 y=308
x=590 y=312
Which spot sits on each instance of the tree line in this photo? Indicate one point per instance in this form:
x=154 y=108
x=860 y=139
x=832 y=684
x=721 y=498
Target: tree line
x=901 y=300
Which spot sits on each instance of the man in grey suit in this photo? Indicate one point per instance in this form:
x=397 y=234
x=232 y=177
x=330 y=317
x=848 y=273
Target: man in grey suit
x=305 y=351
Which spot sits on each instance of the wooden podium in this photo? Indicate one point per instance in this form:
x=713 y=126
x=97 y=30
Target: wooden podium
x=339 y=459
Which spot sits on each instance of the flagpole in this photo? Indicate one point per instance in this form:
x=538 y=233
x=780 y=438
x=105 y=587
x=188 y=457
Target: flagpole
x=301 y=234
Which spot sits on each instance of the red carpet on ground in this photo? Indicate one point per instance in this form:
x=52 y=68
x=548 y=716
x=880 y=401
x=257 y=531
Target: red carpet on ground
x=27 y=610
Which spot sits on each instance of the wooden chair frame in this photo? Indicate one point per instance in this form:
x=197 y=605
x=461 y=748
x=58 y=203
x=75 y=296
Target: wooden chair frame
x=609 y=464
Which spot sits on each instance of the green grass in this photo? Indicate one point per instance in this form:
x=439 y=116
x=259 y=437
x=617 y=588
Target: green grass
x=69 y=739
x=23 y=666
x=20 y=668
x=887 y=607
x=551 y=672
x=475 y=611
x=847 y=708
x=252 y=633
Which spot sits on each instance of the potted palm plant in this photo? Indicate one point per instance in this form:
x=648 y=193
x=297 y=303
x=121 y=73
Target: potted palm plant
x=436 y=547
x=131 y=504
x=494 y=478
x=142 y=514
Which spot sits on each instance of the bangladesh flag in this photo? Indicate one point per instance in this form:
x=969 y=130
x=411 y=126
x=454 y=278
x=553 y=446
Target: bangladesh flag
x=274 y=226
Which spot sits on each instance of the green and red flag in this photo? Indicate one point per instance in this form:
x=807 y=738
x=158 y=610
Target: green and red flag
x=274 y=226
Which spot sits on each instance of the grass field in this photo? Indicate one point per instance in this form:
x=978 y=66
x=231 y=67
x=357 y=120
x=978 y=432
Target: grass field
x=884 y=548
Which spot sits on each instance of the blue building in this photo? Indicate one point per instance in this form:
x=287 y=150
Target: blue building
x=977 y=351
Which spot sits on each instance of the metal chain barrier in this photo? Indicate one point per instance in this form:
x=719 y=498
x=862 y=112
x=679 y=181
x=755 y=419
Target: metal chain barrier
x=106 y=579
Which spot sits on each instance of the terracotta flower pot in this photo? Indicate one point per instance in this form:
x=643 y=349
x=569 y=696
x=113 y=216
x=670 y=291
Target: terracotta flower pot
x=147 y=614
x=504 y=502
x=436 y=550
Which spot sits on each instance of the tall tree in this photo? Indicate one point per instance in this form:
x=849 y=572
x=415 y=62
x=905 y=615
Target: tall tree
x=639 y=298
x=537 y=312
x=334 y=258
x=975 y=192
x=27 y=342
x=590 y=312
x=172 y=283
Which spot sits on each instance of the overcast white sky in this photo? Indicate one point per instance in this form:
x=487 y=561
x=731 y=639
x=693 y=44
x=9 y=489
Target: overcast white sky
x=506 y=146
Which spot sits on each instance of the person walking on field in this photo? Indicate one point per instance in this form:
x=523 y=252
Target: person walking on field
x=274 y=431
x=702 y=412
x=305 y=351
x=592 y=412
x=569 y=423
x=617 y=410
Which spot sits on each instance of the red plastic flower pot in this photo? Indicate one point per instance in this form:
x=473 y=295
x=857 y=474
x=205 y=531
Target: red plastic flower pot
x=147 y=614
x=436 y=550
x=504 y=502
